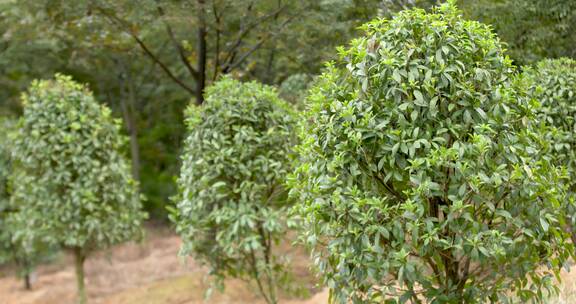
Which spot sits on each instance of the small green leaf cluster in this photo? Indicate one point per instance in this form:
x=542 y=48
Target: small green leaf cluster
x=71 y=184
x=420 y=177
x=232 y=205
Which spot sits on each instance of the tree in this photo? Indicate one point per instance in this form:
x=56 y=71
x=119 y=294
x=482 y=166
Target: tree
x=232 y=206
x=420 y=178
x=73 y=184
x=552 y=82
x=23 y=253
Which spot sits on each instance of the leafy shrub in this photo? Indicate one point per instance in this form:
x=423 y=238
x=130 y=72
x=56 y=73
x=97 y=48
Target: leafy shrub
x=25 y=254
x=420 y=178
x=71 y=183
x=553 y=83
x=232 y=205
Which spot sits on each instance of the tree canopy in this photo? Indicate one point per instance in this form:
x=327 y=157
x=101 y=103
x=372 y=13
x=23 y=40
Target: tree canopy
x=232 y=207
x=420 y=175
x=72 y=180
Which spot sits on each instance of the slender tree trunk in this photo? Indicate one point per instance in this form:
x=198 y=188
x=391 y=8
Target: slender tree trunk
x=128 y=106
x=202 y=32
x=135 y=153
x=79 y=258
x=27 y=282
x=134 y=146
x=27 y=274
x=24 y=267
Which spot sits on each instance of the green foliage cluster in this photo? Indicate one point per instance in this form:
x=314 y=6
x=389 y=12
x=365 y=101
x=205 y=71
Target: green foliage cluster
x=71 y=186
x=5 y=127
x=232 y=207
x=5 y=169
x=420 y=177
x=16 y=247
x=552 y=82
x=70 y=179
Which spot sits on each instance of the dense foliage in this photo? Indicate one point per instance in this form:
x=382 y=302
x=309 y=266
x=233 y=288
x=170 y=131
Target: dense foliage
x=22 y=252
x=5 y=127
x=71 y=183
x=552 y=82
x=420 y=176
x=232 y=206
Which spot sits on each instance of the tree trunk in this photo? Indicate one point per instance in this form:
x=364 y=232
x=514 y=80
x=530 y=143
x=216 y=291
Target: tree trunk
x=129 y=113
x=27 y=281
x=24 y=268
x=134 y=147
x=79 y=258
x=201 y=79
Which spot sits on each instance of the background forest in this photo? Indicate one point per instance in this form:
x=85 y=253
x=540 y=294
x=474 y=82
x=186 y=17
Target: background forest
x=148 y=59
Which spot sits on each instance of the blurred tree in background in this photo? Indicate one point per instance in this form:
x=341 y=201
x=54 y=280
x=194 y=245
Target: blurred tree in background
x=533 y=29
x=70 y=181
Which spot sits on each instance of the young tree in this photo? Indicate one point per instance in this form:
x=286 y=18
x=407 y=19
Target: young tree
x=71 y=183
x=232 y=206
x=553 y=83
x=24 y=254
x=420 y=178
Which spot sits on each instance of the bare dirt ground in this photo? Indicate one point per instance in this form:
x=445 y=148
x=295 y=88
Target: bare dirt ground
x=146 y=273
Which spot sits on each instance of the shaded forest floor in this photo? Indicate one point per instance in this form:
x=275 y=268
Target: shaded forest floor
x=147 y=273
x=152 y=273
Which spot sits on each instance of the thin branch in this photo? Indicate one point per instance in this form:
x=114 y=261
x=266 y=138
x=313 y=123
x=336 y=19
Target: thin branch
x=245 y=55
x=231 y=66
x=175 y=42
x=218 y=33
x=162 y=65
x=244 y=31
x=144 y=48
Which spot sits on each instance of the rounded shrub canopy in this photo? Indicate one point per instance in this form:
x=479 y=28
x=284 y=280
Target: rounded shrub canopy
x=232 y=204
x=71 y=183
x=420 y=177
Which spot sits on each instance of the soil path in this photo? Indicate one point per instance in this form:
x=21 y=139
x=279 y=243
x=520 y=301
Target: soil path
x=146 y=273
